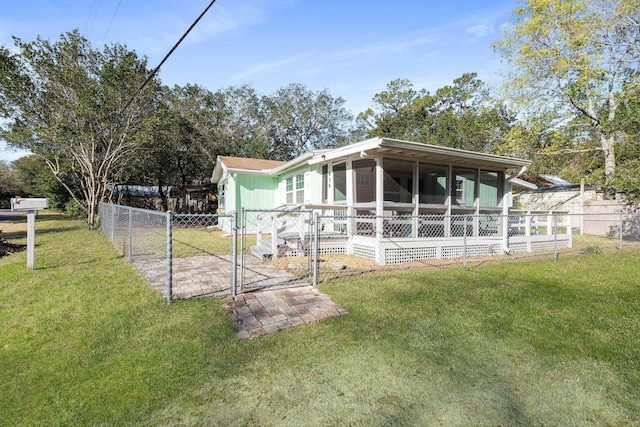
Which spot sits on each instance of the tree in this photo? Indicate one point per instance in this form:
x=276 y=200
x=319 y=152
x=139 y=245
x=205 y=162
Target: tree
x=391 y=113
x=300 y=120
x=578 y=60
x=8 y=188
x=34 y=179
x=171 y=150
x=65 y=102
x=462 y=115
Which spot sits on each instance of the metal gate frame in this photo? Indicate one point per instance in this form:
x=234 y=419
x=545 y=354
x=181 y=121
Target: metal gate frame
x=258 y=222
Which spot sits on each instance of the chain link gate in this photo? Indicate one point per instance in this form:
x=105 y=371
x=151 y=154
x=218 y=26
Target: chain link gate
x=276 y=249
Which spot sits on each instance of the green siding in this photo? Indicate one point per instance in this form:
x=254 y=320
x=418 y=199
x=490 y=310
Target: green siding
x=255 y=192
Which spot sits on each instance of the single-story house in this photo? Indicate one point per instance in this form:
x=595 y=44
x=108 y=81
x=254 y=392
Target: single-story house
x=390 y=200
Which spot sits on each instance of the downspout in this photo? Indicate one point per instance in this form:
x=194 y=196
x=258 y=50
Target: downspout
x=517 y=175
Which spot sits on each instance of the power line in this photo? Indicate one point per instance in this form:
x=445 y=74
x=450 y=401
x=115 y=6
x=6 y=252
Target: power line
x=111 y=22
x=175 y=46
x=94 y=9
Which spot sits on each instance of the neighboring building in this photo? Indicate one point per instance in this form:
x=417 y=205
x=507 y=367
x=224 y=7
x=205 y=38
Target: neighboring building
x=390 y=194
x=565 y=198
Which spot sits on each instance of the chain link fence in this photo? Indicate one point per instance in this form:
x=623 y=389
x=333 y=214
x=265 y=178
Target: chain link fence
x=179 y=255
x=362 y=246
x=185 y=255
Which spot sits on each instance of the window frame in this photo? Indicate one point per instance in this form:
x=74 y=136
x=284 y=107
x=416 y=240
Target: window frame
x=294 y=189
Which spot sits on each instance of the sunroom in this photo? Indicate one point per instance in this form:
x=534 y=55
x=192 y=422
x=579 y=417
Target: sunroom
x=399 y=201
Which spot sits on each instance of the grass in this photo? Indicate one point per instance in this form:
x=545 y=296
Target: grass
x=194 y=241
x=84 y=341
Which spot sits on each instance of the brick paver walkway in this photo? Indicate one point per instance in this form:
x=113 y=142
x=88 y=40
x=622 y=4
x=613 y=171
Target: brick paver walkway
x=209 y=275
x=273 y=300
x=259 y=313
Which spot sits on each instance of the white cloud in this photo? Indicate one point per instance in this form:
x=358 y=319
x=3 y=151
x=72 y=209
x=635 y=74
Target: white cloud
x=264 y=67
x=481 y=30
x=161 y=32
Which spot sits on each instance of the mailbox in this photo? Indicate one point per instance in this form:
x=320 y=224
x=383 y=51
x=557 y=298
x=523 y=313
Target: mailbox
x=28 y=204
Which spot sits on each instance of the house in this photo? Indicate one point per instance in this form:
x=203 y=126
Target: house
x=383 y=195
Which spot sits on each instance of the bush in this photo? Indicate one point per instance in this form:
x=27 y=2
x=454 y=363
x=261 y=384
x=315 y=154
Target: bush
x=595 y=250
x=75 y=209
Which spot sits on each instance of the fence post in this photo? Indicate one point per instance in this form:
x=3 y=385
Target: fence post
x=527 y=230
x=113 y=225
x=464 y=252
x=307 y=243
x=274 y=236
x=129 y=233
x=555 y=237
x=570 y=230
x=234 y=255
x=620 y=234
x=169 y=257
x=315 y=247
x=505 y=232
x=243 y=237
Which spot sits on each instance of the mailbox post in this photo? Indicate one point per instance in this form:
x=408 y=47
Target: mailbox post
x=30 y=205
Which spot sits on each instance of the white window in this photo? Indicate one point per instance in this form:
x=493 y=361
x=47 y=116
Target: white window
x=295 y=189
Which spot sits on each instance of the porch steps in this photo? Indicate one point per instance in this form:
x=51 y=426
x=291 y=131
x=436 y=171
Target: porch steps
x=263 y=251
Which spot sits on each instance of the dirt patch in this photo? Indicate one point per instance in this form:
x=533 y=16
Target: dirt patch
x=293 y=264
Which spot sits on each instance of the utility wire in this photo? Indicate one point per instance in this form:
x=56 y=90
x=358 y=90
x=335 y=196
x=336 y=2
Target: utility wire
x=155 y=70
x=111 y=22
x=94 y=9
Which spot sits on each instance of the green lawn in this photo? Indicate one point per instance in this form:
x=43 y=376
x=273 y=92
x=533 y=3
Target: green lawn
x=85 y=342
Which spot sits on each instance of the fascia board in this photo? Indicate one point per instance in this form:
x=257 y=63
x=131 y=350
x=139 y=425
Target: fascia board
x=291 y=164
x=347 y=150
x=455 y=152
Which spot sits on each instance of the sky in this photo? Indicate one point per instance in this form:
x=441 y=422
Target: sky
x=353 y=48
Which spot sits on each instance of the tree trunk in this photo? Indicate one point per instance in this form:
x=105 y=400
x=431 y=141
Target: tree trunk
x=608 y=147
x=164 y=206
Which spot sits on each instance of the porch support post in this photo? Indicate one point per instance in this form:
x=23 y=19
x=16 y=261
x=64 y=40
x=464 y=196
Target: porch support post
x=447 y=216
x=416 y=199
x=350 y=210
x=476 y=203
x=506 y=197
x=379 y=210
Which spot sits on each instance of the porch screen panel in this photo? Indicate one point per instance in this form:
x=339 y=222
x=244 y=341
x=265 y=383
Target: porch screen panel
x=463 y=182
x=340 y=182
x=365 y=180
x=398 y=181
x=432 y=184
x=491 y=189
